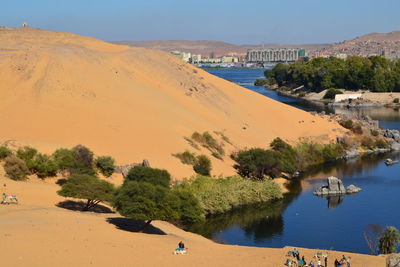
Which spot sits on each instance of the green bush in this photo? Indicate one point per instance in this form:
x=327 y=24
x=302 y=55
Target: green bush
x=389 y=241
x=396 y=100
x=146 y=201
x=221 y=195
x=15 y=168
x=83 y=163
x=331 y=93
x=257 y=162
x=348 y=124
x=260 y=82
x=149 y=175
x=106 y=165
x=186 y=157
x=302 y=94
x=27 y=154
x=4 y=152
x=202 y=165
x=88 y=187
x=43 y=166
x=190 y=210
x=65 y=158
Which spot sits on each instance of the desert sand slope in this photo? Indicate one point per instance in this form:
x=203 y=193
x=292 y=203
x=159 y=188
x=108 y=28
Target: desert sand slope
x=60 y=89
x=36 y=233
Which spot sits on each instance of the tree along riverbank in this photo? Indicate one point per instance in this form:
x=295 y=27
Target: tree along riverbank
x=320 y=79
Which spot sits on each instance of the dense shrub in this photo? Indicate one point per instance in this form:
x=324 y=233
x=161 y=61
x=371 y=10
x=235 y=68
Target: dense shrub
x=257 y=162
x=190 y=210
x=43 y=166
x=186 y=157
x=221 y=195
x=389 y=241
x=150 y=175
x=65 y=158
x=106 y=165
x=15 y=168
x=302 y=94
x=202 y=165
x=260 y=82
x=348 y=124
x=147 y=201
x=4 y=152
x=27 y=154
x=83 y=163
x=396 y=100
x=331 y=93
x=88 y=187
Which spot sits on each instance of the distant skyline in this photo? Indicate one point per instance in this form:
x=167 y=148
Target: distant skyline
x=233 y=21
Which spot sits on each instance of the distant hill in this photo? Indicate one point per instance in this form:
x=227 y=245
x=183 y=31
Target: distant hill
x=205 y=48
x=367 y=45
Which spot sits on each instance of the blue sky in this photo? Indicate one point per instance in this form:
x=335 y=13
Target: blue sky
x=235 y=21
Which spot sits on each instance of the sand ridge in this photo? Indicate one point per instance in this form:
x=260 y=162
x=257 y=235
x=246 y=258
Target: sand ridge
x=60 y=89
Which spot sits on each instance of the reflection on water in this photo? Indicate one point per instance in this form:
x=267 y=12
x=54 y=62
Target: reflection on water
x=302 y=219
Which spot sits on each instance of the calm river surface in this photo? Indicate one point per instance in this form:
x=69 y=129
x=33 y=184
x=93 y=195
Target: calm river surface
x=304 y=220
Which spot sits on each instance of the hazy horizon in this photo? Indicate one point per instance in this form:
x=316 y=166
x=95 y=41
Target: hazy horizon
x=232 y=21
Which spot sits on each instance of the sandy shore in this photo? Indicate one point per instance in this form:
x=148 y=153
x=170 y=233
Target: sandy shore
x=38 y=233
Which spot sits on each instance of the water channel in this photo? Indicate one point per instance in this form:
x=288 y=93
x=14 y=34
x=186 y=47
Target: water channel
x=304 y=220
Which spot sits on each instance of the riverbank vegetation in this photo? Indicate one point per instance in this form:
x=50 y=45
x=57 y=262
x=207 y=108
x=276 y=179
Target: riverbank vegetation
x=256 y=163
x=224 y=194
x=376 y=74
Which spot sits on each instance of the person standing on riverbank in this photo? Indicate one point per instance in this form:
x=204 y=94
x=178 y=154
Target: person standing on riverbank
x=326 y=261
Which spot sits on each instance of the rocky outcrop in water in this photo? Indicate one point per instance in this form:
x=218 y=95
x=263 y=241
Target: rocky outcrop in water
x=335 y=187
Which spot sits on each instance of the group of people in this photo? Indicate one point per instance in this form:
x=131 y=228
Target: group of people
x=343 y=262
x=294 y=260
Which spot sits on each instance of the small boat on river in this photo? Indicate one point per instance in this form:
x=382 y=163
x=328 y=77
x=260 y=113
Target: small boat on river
x=389 y=162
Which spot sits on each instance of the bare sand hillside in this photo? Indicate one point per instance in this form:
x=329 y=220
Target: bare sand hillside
x=36 y=233
x=60 y=89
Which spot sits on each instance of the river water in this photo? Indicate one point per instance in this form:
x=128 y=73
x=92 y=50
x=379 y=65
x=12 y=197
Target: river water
x=304 y=220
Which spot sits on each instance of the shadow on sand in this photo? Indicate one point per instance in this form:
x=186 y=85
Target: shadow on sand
x=79 y=205
x=132 y=225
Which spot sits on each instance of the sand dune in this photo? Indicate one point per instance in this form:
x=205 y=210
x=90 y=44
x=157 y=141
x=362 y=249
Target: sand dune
x=60 y=89
x=36 y=233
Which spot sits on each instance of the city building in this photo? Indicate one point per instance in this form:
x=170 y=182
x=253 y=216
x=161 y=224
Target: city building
x=275 y=55
x=182 y=55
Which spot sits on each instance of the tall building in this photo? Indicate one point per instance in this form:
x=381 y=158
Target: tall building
x=275 y=55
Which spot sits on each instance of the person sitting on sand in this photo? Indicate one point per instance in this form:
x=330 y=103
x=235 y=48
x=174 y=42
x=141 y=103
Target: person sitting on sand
x=311 y=264
x=181 y=245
